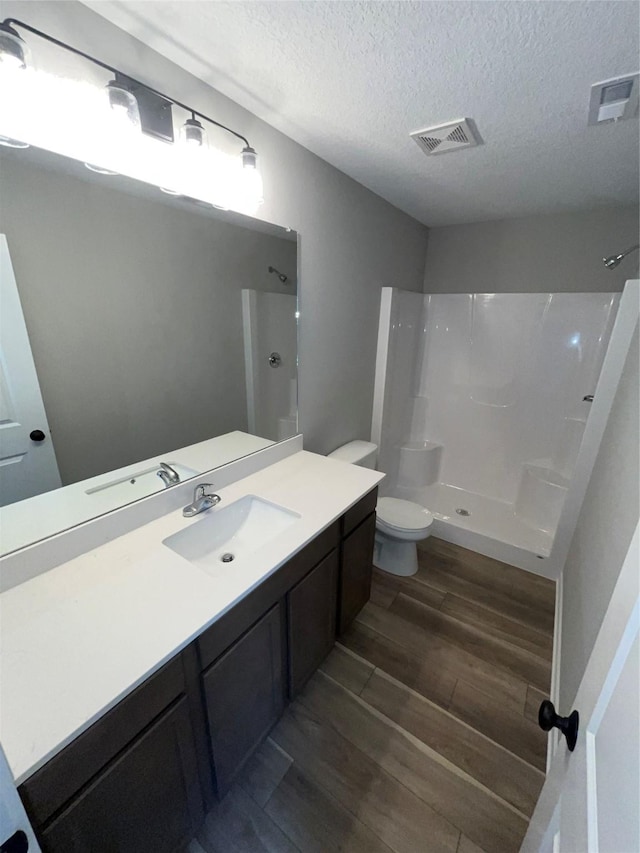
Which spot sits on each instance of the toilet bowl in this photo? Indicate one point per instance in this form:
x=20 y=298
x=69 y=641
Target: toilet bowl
x=399 y=524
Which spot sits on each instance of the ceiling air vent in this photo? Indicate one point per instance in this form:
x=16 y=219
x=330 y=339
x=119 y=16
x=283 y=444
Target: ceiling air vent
x=452 y=136
x=613 y=100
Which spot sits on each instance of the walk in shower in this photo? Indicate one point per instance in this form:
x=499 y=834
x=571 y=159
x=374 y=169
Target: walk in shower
x=480 y=406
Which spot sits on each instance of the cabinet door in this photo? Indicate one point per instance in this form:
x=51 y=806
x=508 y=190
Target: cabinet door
x=311 y=611
x=147 y=801
x=244 y=696
x=355 y=571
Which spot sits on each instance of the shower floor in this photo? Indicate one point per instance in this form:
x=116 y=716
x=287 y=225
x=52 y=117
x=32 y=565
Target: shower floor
x=489 y=518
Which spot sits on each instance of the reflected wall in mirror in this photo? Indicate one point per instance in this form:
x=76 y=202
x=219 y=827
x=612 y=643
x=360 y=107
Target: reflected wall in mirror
x=137 y=328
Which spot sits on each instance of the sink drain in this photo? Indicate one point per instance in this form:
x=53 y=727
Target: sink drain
x=227 y=558
x=462 y=511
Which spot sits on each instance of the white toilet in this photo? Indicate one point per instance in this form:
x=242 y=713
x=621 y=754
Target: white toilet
x=399 y=524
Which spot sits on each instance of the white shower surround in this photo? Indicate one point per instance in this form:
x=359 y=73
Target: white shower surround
x=269 y=324
x=479 y=406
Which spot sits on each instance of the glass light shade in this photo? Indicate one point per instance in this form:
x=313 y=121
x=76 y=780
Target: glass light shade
x=99 y=169
x=14 y=52
x=12 y=143
x=249 y=193
x=249 y=158
x=124 y=106
x=192 y=133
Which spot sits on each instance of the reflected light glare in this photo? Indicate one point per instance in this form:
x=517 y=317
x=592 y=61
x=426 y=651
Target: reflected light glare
x=10 y=62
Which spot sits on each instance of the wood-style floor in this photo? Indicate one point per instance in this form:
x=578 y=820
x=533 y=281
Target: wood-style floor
x=419 y=731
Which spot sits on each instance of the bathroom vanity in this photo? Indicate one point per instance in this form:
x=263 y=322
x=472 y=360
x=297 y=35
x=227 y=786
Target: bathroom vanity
x=132 y=762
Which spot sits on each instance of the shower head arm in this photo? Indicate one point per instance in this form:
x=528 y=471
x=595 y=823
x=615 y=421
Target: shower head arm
x=613 y=260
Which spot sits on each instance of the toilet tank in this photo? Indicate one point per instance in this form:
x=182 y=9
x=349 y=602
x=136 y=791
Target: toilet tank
x=361 y=453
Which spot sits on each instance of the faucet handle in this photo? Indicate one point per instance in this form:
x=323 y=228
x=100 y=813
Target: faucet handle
x=201 y=491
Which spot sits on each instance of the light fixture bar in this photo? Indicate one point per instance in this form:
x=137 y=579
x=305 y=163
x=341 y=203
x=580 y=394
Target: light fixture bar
x=14 y=22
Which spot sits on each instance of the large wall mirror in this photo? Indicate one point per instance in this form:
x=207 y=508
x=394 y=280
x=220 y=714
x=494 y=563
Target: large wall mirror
x=145 y=337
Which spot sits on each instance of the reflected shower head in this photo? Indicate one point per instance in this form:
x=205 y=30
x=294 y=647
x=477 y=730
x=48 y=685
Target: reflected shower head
x=613 y=260
x=283 y=278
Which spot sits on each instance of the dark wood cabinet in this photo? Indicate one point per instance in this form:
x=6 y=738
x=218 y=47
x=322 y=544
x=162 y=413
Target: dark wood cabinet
x=311 y=621
x=356 y=565
x=244 y=696
x=147 y=801
x=139 y=778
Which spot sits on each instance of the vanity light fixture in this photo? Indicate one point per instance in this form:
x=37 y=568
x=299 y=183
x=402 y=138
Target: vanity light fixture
x=13 y=49
x=249 y=157
x=251 y=177
x=140 y=105
x=123 y=103
x=192 y=133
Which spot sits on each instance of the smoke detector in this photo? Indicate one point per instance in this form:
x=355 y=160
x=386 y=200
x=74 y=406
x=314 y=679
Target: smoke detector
x=452 y=136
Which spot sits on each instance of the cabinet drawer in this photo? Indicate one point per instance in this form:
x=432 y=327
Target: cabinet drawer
x=311 y=620
x=146 y=801
x=244 y=696
x=213 y=642
x=356 y=567
x=357 y=514
x=50 y=787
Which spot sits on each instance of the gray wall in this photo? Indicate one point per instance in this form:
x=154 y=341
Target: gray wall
x=533 y=254
x=353 y=242
x=607 y=520
x=134 y=313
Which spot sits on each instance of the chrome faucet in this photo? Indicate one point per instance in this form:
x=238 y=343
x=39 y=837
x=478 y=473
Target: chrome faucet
x=202 y=500
x=168 y=475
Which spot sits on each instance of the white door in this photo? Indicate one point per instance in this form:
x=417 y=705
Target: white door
x=27 y=459
x=590 y=802
x=16 y=832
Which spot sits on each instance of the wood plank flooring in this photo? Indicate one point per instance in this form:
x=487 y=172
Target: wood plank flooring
x=418 y=733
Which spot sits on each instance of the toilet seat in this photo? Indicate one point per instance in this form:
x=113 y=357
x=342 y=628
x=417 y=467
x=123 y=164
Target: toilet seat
x=397 y=516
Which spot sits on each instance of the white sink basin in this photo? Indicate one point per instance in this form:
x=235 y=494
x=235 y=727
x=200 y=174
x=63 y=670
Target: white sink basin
x=222 y=536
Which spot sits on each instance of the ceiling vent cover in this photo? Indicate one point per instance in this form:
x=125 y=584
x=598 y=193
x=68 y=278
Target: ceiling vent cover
x=452 y=136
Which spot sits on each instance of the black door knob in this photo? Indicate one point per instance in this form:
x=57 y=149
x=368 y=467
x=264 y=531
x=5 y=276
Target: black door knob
x=548 y=719
x=37 y=435
x=18 y=843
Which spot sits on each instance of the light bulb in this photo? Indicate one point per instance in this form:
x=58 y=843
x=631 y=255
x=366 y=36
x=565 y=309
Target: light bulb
x=192 y=133
x=14 y=52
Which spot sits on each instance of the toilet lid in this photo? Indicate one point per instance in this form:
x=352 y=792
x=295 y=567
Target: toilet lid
x=403 y=514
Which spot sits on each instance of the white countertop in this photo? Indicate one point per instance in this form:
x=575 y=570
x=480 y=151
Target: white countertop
x=77 y=639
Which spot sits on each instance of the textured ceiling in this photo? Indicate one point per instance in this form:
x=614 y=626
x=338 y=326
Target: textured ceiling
x=350 y=80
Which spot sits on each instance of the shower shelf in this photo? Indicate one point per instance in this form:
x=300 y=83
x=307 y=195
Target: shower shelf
x=419 y=464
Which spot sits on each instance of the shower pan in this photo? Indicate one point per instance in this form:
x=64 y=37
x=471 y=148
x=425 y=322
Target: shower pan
x=480 y=407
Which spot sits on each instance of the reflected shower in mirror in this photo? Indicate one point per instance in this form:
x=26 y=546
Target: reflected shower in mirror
x=145 y=340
